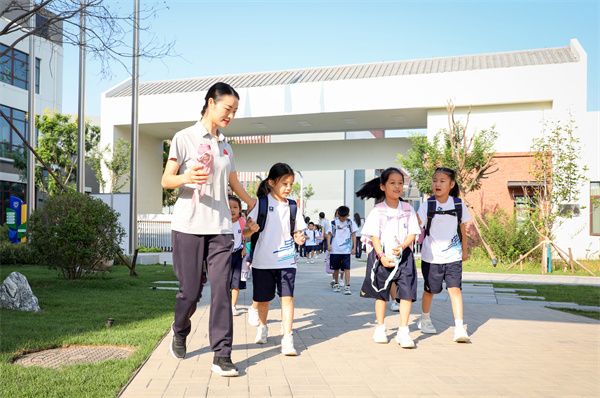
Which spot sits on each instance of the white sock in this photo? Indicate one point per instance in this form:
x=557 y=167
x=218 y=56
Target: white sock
x=403 y=330
x=458 y=323
x=425 y=315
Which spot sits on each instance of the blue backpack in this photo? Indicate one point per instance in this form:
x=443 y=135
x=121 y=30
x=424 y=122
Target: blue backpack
x=261 y=220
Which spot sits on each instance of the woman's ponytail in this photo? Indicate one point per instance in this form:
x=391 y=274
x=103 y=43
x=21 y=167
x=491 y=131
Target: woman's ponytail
x=263 y=188
x=371 y=189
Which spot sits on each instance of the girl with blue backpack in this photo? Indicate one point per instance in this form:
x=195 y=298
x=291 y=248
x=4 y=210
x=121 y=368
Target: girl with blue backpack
x=275 y=224
x=389 y=230
x=443 y=217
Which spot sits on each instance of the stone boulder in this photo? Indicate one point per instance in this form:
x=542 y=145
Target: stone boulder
x=15 y=294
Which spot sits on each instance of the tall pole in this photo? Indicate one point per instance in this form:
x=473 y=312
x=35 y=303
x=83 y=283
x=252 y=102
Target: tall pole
x=81 y=107
x=31 y=119
x=134 y=130
x=301 y=193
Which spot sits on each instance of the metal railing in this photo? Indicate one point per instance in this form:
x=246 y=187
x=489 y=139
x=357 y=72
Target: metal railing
x=155 y=234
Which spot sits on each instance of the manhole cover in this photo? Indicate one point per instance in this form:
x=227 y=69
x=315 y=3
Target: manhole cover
x=58 y=357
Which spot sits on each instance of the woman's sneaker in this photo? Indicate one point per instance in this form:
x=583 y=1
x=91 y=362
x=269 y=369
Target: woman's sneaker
x=404 y=340
x=253 y=317
x=380 y=335
x=234 y=311
x=461 y=335
x=178 y=348
x=347 y=291
x=336 y=288
x=426 y=326
x=224 y=366
x=287 y=345
x=261 y=334
x=395 y=306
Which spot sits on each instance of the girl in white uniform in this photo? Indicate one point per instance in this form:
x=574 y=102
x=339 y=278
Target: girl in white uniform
x=274 y=259
x=443 y=251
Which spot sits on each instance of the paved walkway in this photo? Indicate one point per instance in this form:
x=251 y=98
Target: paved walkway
x=517 y=349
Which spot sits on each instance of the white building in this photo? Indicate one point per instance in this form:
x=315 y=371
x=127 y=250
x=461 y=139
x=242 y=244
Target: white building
x=14 y=97
x=309 y=112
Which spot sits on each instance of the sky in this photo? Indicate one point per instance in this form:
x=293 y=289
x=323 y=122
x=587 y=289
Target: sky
x=229 y=37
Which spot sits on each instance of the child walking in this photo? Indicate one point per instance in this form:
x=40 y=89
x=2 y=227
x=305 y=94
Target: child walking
x=274 y=259
x=389 y=231
x=443 y=217
x=312 y=241
x=239 y=252
x=341 y=242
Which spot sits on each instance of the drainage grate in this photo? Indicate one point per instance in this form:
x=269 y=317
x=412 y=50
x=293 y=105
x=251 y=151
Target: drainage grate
x=58 y=357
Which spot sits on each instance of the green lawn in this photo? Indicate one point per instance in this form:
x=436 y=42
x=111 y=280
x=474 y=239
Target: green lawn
x=75 y=313
x=578 y=294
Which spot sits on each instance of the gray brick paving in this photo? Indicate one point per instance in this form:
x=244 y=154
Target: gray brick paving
x=519 y=349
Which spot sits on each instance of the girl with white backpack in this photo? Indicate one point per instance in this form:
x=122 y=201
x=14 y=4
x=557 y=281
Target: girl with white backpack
x=388 y=232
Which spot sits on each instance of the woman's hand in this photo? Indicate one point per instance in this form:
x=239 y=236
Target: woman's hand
x=299 y=237
x=196 y=175
x=397 y=251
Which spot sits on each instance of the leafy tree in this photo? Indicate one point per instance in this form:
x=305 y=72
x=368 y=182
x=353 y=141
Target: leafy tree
x=117 y=162
x=308 y=193
x=57 y=146
x=471 y=156
x=559 y=173
x=169 y=196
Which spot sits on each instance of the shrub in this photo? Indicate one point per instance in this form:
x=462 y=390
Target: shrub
x=508 y=237
x=75 y=233
x=144 y=249
x=4 y=234
x=16 y=253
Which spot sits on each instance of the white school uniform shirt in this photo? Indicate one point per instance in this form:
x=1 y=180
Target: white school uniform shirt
x=238 y=239
x=312 y=236
x=396 y=227
x=275 y=247
x=443 y=245
x=341 y=243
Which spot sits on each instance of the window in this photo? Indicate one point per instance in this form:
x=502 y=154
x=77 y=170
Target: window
x=9 y=140
x=8 y=189
x=595 y=208
x=523 y=205
x=14 y=69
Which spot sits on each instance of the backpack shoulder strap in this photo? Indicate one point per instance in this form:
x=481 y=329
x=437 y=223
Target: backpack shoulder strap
x=293 y=211
x=430 y=213
x=458 y=208
x=242 y=222
x=261 y=219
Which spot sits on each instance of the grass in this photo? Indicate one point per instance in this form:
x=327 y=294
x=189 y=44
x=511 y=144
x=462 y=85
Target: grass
x=75 y=313
x=578 y=294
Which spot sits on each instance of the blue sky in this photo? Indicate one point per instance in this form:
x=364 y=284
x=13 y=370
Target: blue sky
x=227 y=37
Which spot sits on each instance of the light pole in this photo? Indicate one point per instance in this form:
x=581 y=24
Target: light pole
x=301 y=193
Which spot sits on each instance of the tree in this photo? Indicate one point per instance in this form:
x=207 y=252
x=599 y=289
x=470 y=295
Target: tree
x=559 y=176
x=117 y=162
x=471 y=156
x=106 y=27
x=308 y=193
x=169 y=196
x=57 y=146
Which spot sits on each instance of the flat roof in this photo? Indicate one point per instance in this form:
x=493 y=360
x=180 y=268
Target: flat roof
x=546 y=56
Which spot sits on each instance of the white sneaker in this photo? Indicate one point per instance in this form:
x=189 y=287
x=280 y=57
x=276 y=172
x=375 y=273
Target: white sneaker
x=287 y=345
x=380 y=335
x=234 y=311
x=253 y=317
x=404 y=340
x=332 y=283
x=426 y=326
x=336 y=288
x=261 y=334
x=347 y=291
x=395 y=306
x=461 y=335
